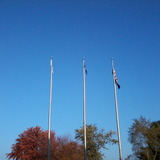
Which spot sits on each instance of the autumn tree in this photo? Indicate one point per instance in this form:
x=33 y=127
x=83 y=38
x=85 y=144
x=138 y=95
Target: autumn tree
x=32 y=145
x=96 y=140
x=69 y=149
x=145 y=139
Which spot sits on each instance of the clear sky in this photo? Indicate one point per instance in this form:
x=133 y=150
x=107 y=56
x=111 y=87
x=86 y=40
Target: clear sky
x=33 y=31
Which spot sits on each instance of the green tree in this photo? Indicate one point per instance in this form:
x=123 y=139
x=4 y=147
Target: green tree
x=153 y=137
x=145 y=139
x=96 y=140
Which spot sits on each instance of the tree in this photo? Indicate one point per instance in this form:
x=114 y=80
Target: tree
x=96 y=140
x=131 y=157
x=145 y=139
x=69 y=149
x=137 y=136
x=153 y=137
x=32 y=145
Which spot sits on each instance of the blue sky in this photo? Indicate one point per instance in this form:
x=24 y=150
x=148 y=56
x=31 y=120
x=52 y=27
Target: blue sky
x=33 y=31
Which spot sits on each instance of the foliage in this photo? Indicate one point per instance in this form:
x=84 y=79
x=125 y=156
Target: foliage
x=69 y=150
x=96 y=140
x=145 y=139
x=131 y=157
x=32 y=145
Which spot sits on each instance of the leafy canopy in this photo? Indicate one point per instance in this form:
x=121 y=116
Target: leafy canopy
x=96 y=140
x=144 y=136
x=32 y=145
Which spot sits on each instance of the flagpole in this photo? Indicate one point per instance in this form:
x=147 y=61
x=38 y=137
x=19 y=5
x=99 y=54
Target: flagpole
x=50 y=110
x=84 y=109
x=117 y=114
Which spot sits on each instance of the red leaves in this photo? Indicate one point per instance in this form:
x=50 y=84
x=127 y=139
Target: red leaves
x=69 y=150
x=32 y=145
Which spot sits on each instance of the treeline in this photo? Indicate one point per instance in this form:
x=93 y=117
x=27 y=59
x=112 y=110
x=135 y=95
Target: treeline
x=32 y=144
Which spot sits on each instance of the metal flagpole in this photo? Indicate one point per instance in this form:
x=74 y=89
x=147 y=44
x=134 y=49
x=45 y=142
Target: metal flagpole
x=50 y=110
x=84 y=108
x=117 y=115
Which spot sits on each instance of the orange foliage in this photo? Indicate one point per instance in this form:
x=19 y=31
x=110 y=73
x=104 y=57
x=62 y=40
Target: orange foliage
x=32 y=145
x=69 y=150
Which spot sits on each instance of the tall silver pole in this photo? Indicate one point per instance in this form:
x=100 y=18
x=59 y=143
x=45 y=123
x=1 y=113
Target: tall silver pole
x=50 y=110
x=84 y=109
x=117 y=114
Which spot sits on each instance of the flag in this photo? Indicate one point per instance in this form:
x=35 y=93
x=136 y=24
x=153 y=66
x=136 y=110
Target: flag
x=115 y=78
x=84 y=66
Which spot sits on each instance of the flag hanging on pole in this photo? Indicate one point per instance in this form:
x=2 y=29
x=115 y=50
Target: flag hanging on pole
x=84 y=109
x=84 y=66
x=115 y=78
